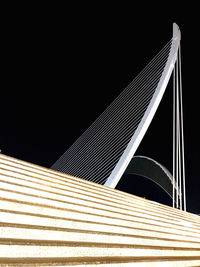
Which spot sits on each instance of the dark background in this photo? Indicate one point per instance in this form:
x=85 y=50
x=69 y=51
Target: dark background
x=62 y=66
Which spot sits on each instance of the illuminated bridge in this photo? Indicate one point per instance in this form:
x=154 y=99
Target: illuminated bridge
x=71 y=215
x=106 y=149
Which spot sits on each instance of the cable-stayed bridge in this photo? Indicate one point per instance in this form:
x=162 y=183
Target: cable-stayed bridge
x=49 y=218
x=104 y=151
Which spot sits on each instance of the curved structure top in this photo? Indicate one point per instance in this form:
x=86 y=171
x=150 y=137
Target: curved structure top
x=153 y=170
x=149 y=114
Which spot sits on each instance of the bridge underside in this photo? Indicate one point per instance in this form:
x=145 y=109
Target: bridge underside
x=151 y=169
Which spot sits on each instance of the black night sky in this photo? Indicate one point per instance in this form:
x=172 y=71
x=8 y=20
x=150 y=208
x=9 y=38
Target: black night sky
x=62 y=67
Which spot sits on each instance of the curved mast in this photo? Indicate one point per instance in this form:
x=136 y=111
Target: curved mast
x=132 y=146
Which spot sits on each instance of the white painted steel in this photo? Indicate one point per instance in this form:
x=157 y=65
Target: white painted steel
x=131 y=148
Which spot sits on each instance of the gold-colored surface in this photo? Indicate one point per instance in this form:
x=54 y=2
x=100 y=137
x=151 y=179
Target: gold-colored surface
x=49 y=218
